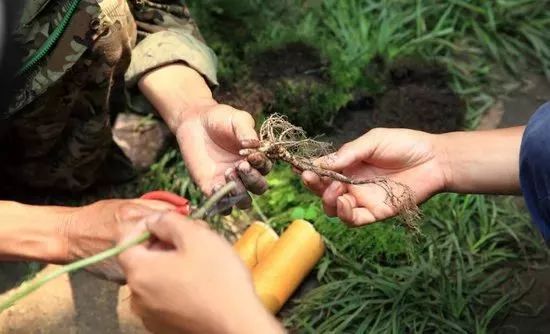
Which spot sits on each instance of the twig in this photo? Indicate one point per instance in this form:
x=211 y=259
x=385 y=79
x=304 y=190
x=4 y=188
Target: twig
x=27 y=289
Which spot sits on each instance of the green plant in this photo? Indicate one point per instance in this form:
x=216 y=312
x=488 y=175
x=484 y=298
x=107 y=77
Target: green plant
x=287 y=199
x=460 y=280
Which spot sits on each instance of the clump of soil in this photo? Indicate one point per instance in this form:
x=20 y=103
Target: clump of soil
x=419 y=97
x=293 y=60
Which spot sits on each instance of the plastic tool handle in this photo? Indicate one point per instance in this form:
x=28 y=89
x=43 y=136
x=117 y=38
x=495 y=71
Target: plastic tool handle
x=181 y=204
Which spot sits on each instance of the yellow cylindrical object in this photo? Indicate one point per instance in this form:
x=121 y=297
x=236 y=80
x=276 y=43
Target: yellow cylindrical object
x=255 y=243
x=282 y=270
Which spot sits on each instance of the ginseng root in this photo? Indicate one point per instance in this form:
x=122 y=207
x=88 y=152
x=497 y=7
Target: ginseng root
x=283 y=141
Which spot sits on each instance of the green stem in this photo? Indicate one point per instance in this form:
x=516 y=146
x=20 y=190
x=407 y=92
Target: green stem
x=26 y=289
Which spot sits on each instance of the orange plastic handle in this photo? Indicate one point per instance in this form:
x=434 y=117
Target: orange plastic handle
x=181 y=203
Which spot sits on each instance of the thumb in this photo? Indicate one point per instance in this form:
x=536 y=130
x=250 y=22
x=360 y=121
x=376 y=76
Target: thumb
x=134 y=255
x=243 y=128
x=168 y=228
x=358 y=150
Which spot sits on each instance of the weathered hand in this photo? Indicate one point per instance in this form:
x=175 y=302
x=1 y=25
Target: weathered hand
x=210 y=138
x=410 y=157
x=96 y=227
x=210 y=135
x=194 y=283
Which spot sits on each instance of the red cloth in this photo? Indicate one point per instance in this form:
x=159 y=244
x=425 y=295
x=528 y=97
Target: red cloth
x=181 y=204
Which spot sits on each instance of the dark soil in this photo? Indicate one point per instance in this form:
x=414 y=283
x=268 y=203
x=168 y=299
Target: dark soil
x=295 y=61
x=290 y=61
x=418 y=96
x=417 y=93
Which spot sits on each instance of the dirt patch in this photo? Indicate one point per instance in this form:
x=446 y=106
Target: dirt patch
x=418 y=96
x=420 y=106
x=249 y=96
x=294 y=62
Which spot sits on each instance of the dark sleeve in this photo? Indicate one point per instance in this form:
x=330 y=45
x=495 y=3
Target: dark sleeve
x=534 y=170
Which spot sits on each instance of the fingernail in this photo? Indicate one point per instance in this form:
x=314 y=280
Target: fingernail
x=250 y=143
x=243 y=166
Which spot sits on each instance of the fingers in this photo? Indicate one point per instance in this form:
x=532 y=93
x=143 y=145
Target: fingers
x=330 y=196
x=131 y=256
x=260 y=162
x=168 y=228
x=243 y=128
x=315 y=183
x=232 y=175
x=350 y=214
x=251 y=178
x=351 y=152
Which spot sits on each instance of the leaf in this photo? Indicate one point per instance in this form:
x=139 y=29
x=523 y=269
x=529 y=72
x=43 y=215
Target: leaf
x=311 y=213
x=298 y=213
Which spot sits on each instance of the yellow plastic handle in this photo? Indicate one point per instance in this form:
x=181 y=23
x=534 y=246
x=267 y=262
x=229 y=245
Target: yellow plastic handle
x=285 y=266
x=255 y=243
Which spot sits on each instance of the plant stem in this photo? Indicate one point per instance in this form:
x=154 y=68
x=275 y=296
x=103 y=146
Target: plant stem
x=26 y=289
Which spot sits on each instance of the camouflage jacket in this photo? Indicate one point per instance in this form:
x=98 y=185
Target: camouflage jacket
x=58 y=128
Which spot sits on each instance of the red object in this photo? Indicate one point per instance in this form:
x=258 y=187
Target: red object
x=181 y=204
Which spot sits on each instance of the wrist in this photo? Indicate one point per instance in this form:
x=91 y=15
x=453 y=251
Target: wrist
x=441 y=146
x=177 y=92
x=35 y=233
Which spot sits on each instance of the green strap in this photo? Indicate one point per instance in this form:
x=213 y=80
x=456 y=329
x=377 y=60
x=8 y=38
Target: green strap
x=50 y=42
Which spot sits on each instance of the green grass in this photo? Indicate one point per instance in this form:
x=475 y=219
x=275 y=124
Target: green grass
x=482 y=43
x=459 y=275
x=461 y=280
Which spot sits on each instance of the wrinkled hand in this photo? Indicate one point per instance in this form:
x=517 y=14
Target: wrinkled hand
x=210 y=139
x=407 y=156
x=99 y=226
x=191 y=281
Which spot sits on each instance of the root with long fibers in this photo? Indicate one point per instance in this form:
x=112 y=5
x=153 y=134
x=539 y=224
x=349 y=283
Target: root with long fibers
x=283 y=141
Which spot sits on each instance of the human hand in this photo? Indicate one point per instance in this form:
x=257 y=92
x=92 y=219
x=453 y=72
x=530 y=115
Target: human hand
x=210 y=138
x=96 y=227
x=413 y=158
x=209 y=134
x=189 y=280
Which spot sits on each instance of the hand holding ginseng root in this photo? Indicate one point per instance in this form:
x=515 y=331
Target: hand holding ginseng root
x=408 y=160
x=367 y=180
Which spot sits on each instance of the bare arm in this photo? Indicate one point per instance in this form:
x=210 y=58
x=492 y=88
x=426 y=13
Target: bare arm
x=481 y=161
x=464 y=162
x=175 y=91
x=35 y=233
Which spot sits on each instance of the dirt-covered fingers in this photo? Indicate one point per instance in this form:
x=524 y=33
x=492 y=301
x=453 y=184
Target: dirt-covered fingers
x=315 y=183
x=251 y=178
x=260 y=162
x=231 y=174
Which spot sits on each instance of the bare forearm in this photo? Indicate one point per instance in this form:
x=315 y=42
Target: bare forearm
x=32 y=232
x=481 y=161
x=174 y=91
